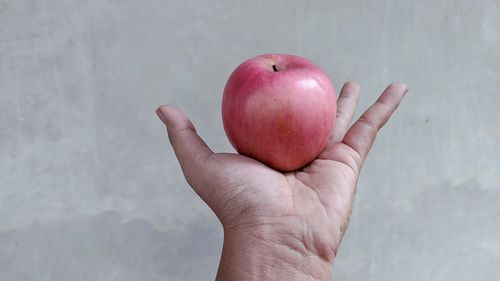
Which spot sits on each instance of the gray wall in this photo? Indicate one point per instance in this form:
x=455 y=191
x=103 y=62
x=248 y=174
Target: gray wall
x=90 y=188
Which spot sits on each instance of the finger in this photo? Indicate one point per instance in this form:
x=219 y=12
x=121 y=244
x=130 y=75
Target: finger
x=361 y=135
x=346 y=105
x=190 y=149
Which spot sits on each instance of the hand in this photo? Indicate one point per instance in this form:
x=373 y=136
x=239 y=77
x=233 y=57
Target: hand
x=282 y=226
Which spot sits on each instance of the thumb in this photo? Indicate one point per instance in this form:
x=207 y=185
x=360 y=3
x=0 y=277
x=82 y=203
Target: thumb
x=190 y=149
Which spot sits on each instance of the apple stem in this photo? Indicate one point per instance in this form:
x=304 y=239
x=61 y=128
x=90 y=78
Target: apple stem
x=275 y=68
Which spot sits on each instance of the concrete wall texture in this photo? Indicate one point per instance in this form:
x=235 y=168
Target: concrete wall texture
x=90 y=188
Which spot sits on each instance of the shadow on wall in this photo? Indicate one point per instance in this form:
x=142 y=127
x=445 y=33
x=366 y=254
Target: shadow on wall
x=109 y=250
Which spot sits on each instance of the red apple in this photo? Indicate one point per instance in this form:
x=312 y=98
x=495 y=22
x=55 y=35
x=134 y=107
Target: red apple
x=279 y=109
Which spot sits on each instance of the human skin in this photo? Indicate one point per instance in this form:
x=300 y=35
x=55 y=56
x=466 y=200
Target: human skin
x=282 y=226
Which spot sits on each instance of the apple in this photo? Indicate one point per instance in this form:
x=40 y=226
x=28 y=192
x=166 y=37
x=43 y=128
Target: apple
x=279 y=109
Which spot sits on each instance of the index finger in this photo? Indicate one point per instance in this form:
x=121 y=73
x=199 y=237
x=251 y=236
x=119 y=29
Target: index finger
x=362 y=134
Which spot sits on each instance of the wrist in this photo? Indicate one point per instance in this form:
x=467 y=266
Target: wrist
x=268 y=253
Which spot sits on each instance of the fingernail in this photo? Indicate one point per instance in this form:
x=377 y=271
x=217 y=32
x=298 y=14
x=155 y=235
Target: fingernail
x=161 y=116
x=406 y=91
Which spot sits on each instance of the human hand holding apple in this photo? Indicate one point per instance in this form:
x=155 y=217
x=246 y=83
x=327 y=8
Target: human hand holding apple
x=282 y=225
x=279 y=109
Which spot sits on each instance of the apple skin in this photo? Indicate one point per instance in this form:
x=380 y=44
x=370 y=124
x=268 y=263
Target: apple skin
x=279 y=109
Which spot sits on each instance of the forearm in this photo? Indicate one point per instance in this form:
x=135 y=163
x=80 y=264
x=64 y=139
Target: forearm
x=249 y=256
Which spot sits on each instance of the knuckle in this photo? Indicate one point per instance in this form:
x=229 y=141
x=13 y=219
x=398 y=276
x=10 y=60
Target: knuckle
x=369 y=123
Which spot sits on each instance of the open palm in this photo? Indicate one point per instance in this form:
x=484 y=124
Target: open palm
x=312 y=205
